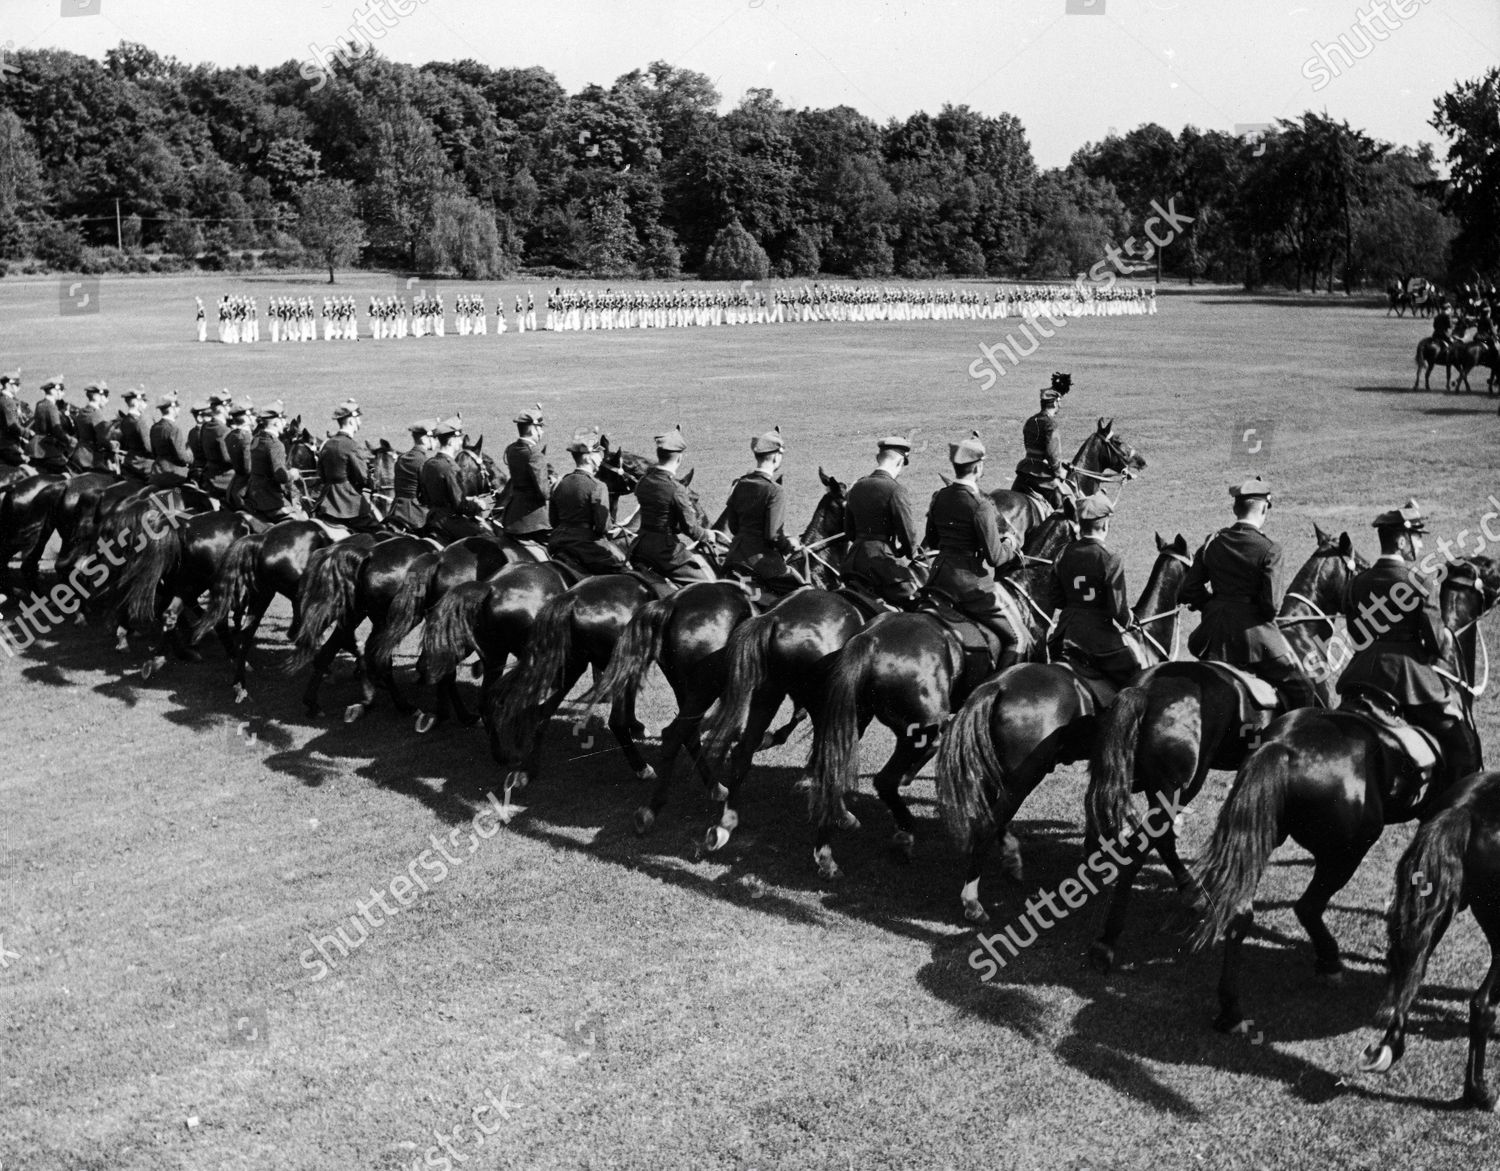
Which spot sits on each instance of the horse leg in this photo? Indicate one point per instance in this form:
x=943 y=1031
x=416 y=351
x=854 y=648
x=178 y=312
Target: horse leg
x=838 y=817
x=625 y=728
x=519 y=778
x=908 y=757
x=1231 y=1018
x=1194 y=901
x=1330 y=875
x=322 y=663
x=1003 y=806
x=1482 y=1016
x=763 y=709
x=1103 y=952
x=784 y=733
x=260 y=601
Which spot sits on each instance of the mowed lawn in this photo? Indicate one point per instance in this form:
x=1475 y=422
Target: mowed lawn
x=631 y=1002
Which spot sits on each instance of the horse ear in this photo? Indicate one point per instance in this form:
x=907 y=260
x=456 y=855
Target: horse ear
x=1160 y=544
x=687 y=480
x=1323 y=539
x=823 y=476
x=1180 y=544
x=1346 y=546
x=1103 y=426
x=479 y=447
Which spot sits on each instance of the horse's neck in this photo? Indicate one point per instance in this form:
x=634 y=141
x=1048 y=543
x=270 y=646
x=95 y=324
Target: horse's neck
x=1161 y=592
x=1088 y=455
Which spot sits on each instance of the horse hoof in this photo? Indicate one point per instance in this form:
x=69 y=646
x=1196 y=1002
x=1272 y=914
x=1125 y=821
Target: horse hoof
x=974 y=911
x=152 y=665
x=426 y=722
x=644 y=820
x=905 y=845
x=718 y=793
x=1377 y=1059
x=122 y=644
x=645 y=773
x=1101 y=958
x=848 y=821
x=828 y=869
x=803 y=785
x=240 y=694
x=716 y=838
x=353 y=712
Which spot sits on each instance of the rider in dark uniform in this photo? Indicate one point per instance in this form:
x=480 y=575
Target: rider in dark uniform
x=54 y=443
x=268 y=492
x=1394 y=611
x=755 y=515
x=1442 y=325
x=1040 y=472
x=450 y=514
x=669 y=520
x=94 y=452
x=972 y=540
x=213 y=433
x=135 y=436
x=579 y=511
x=169 y=447
x=237 y=443
x=406 y=508
x=1089 y=581
x=880 y=523
x=199 y=411
x=1235 y=580
x=525 y=514
x=15 y=435
x=344 y=468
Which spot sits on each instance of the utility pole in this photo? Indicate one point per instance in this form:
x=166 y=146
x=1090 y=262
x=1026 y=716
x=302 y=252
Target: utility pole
x=119 y=236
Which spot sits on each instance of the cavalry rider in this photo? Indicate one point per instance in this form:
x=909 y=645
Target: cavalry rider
x=880 y=522
x=669 y=521
x=451 y=515
x=525 y=516
x=406 y=508
x=345 y=472
x=213 y=435
x=15 y=435
x=135 y=436
x=199 y=411
x=1442 y=325
x=54 y=442
x=756 y=515
x=95 y=452
x=1234 y=580
x=1396 y=608
x=972 y=540
x=169 y=448
x=237 y=443
x=1040 y=472
x=579 y=511
x=268 y=491
x=1089 y=582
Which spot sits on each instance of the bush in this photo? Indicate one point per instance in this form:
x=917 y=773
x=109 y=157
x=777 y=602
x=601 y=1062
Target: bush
x=59 y=245
x=735 y=256
x=660 y=257
x=967 y=259
x=800 y=257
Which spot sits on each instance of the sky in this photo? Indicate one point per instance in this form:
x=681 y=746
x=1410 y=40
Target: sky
x=1071 y=70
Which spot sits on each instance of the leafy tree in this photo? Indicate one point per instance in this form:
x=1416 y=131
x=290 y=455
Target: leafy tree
x=462 y=237
x=1468 y=116
x=660 y=256
x=611 y=246
x=328 y=223
x=735 y=256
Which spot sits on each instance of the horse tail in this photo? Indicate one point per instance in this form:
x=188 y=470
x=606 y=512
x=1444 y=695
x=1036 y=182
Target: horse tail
x=834 y=763
x=406 y=612
x=235 y=576
x=325 y=598
x=540 y=673
x=967 y=765
x=1429 y=892
x=639 y=647
x=156 y=552
x=448 y=636
x=1112 y=768
x=747 y=656
x=1248 y=829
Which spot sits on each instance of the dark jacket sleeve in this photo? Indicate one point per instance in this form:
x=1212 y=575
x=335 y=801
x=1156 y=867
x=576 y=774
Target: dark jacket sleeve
x=1195 y=591
x=537 y=462
x=904 y=516
x=600 y=510
x=1119 y=604
x=930 y=536
x=996 y=537
x=357 y=471
x=1270 y=583
x=276 y=453
x=776 y=520
x=180 y=446
x=683 y=516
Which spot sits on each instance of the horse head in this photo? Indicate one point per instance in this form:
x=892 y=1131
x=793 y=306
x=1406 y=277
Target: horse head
x=1325 y=577
x=828 y=517
x=476 y=471
x=621 y=470
x=1107 y=451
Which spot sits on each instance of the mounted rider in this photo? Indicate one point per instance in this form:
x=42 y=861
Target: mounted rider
x=880 y=522
x=134 y=436
x=451 y=515
x=406 y=507
x=579 y=512
x=756 y=515
x=269 y=486
x=213 y=441
x=52 y=441
x=95 y=452
x=237 y=443
x=1400 y=622
x=15 y=435
x=345 y=472
x=1040 y=473
x=526 y=516
x=1235 y=580
x=172 y=459
x=972 y=540
x=1442 y=325
x=1089 y=581
x=669 y=521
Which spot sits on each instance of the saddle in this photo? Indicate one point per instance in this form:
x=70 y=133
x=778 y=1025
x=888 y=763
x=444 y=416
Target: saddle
x=1096 y=693
x=868 y=605
x=659 y=586
x=1415 y=751
x=981 y=645
x=1258 y=699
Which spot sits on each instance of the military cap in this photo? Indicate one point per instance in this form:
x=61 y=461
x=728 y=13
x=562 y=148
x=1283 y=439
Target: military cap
x=131 y=394
x=768 y=443
x=672 y=440
x=1408 y=518
x=100 y=387
x=584 y=442
x=532 y=416
x=55 y=383
x=1050 y=397
x=423 y=427
x=167 y=400
x=1251 y=489
x=11 y=377
x=348 y=409
x=201 y=407
x=240 y=407
x=966 y=451
x=1095 y=507
x=274 y=410
x=219 y=398
x=453 y=426
x=893 y=443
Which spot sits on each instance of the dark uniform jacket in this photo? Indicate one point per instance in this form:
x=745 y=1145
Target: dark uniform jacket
x=170 y=450
x=237 y=443
x=667 y=516
x=1089 y=582
x=1043 y=460
x=268 y=490
x=526 y=510
x=15 y=436
x=756 y=515
x=442 y=491
x=135 y=445
x=881 y=525
x=1235 y=580
x=218 y=469
x=195 y=445
x=579 y=511
x=407 y=508
x=93 y=451
x=342 y=465
x=52 y=441
x=972 y=539
x=1403 y=635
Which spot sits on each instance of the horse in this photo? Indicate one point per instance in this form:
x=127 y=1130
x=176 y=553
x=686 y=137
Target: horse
x=1175 y=722
x=26 y=525
x=1452 y=862
x=688 y=634
x=904 y=669
x=1103 y=458
x=1019 y=726
x=1325 y=779
x=1468 y=355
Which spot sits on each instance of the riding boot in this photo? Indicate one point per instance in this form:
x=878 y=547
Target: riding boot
x=1458 y=746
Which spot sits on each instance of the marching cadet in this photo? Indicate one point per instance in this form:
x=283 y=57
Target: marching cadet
x=15 y=435
x=1403 y=645
x=1089 y=582
x=450 y=514
x=94 y=452
x=52 y=442
x=213 y=435
x=344 y=499
x=880 y=523
x=1235 y=580
x=526 y=517
x=268 y=490
x=1039 y=473
x=579 y=511
x=202 y=320
x=237 y=443
x=169 y=448
x=531 y=310
x=135 y=436
x=669 y=522
x=972 y=540
x=406 y=508
x=755 y=516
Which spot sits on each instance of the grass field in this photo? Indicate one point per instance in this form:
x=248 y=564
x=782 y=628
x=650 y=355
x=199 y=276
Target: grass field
x=631 y=1002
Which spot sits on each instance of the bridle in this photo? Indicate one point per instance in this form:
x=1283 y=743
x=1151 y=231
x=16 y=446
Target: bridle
x=1141 y=623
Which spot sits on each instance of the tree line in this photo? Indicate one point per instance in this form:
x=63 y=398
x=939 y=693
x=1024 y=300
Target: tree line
x=458 y=167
